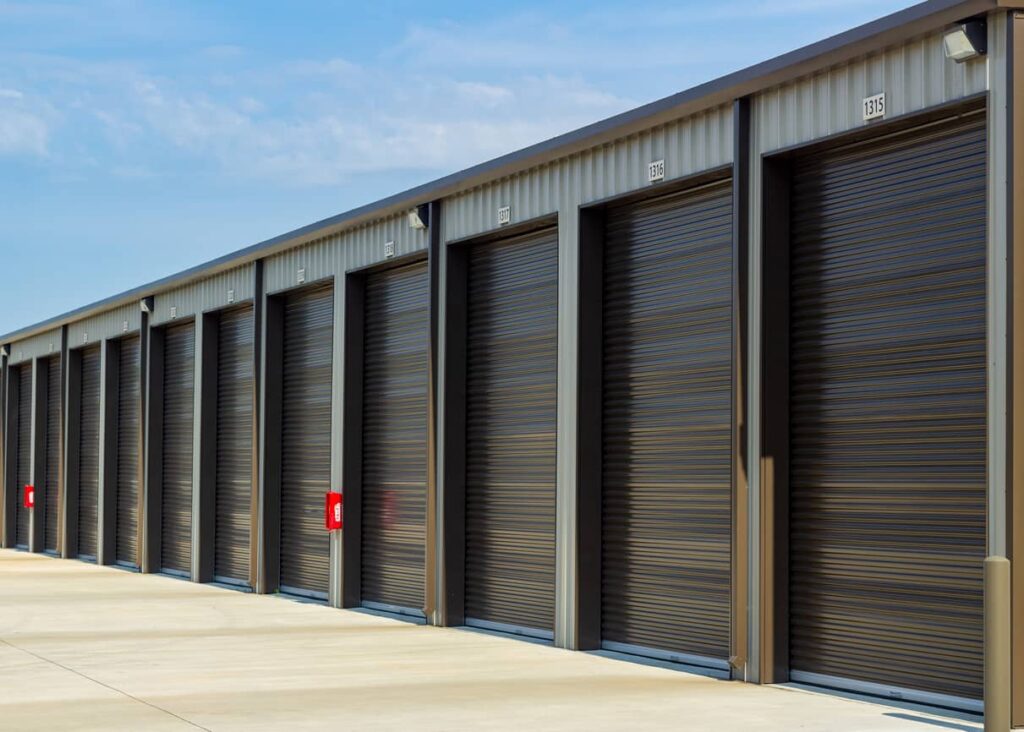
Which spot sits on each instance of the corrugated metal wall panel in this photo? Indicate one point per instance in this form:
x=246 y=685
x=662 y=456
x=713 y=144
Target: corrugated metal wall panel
x=306 y=439
x=667 y=424
x=111 y=324
x=89 y=454
x=360 y=247
x=128 y=404
x=511 y=424
x=232 y=525
x=888 y=411
x=53 y=423
x=39 y=346
x=179 y=399
x=208 y=294
x=689 y=146
x=24 y=454
x=914 y=76
x=395 y=436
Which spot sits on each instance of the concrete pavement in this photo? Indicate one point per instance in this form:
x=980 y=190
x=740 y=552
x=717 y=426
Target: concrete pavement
x=95 y=648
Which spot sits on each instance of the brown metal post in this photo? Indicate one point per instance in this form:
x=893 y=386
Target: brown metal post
x=1015 y=368
x=740 y=254
x=433 y=391
x=997 y=644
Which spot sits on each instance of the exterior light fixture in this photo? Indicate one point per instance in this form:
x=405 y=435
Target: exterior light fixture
x=419 y=217
x=966 y=41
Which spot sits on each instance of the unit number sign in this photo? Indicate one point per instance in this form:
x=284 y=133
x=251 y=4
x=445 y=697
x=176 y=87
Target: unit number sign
x=874 y=107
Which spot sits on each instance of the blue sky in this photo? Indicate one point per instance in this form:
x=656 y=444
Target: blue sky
x=138 y=138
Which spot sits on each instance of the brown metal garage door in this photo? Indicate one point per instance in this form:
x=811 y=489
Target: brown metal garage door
x=887 y=426
x=128 y=404
x=306 y=441
x=667 y=416
x=176 y=501
x=512 y=359
x=89 y=454
x=234 y=445
x=51 y=495
x=24 y=455
x=395 y=437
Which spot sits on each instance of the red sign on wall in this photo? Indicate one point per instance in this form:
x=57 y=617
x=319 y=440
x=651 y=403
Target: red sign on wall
x=334 y=512
x=29 y=497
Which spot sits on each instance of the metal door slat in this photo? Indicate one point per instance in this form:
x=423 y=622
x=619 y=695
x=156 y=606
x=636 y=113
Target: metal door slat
x=178 y=424
x=128 y=403
x=395 y=437
x=234 y=444
x=888 y=413
x=89 y=454
x=512 y=366
x=306 y=439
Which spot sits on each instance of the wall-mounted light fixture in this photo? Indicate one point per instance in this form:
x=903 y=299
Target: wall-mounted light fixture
x=966 y=40
x=419 y=217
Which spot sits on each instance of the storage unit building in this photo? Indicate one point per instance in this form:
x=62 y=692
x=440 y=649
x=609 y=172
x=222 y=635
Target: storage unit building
x=726 y=380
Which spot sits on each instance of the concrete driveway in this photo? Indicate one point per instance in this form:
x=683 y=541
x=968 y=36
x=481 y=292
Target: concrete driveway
x=94 y=648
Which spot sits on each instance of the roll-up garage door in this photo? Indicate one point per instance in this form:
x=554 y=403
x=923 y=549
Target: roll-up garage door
x=128 y=404
x=51 y=495
x=89 y=454
x=176 y=504
x=234 y=445
x=306 y=441
x=512 y=359
x=395 y=436
x=667 y=415
x=888 y=405
x=24 y=457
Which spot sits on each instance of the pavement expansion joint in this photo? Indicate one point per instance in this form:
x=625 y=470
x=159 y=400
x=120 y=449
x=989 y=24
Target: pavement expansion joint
x=114 y=689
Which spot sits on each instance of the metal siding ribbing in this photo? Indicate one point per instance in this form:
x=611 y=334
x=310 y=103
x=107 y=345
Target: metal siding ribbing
x=888 y=411
x=209 y=294
x=688 y=146
x=306 y=439
x=512 y=363
x=667 y=424
x=111 y=324
x=39 y=346
x=395 y=436
x=914 y=76
x=24 y=454
x=89 y=454
x=360 y=247
x=179 y=391
x=234 y=444
x=51 y=493
x=128 y=383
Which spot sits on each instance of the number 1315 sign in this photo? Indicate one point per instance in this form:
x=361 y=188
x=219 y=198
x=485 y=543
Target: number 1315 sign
x=874 y=107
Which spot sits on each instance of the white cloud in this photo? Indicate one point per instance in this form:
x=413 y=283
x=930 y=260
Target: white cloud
x=24 y=125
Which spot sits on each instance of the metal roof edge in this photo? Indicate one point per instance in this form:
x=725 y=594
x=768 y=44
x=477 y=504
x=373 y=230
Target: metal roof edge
x=872 y=36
